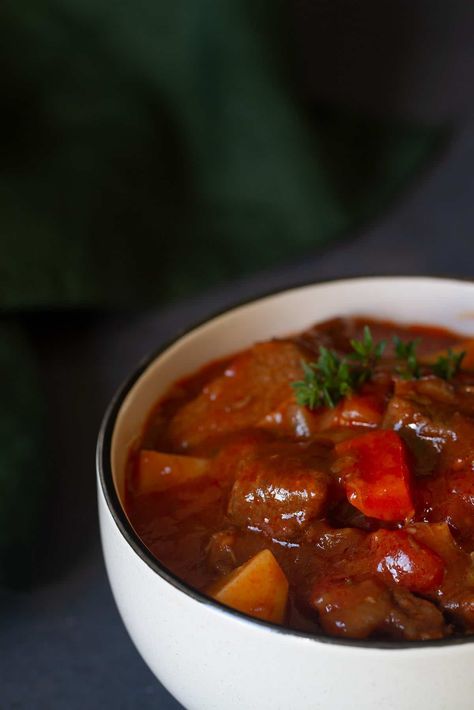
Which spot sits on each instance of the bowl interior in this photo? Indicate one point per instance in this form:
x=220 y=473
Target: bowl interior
x=440 y=302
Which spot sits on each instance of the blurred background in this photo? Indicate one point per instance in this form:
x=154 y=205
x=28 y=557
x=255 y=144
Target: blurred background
x=160 y=162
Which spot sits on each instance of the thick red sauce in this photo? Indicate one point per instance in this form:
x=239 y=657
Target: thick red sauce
x=368 y=507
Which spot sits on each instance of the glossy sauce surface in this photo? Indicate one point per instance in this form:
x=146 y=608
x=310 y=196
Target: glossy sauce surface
x=284 y=478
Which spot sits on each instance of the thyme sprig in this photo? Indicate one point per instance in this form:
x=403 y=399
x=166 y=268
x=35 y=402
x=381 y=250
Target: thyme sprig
x=409 y=368
x=331 y=377
x=366 y=354
x=447 y=366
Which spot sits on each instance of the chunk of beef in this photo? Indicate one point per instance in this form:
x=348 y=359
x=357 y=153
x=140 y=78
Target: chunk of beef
x=414 y=619
x=460 y=608
x=399 y=557
x=332 y=543
x=294 y=421
x=434 y=420
x=456 y=593
x=359 y=609
x=353 y=609
x=457 y=506
x=335 y=334
x=220 y=551
x=423 y=423
x=432 y=417
x=291 y=420
x=279 y=490
x=253 y=385
x=395 y=557
x=448 y=496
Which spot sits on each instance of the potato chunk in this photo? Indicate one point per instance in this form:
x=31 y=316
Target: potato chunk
x=258 y=588
x=158 y=472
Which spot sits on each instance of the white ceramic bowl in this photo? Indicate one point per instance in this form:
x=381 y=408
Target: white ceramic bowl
x=214 y=658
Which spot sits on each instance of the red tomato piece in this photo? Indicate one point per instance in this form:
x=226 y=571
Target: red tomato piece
x=399 y=558
x=376 y=475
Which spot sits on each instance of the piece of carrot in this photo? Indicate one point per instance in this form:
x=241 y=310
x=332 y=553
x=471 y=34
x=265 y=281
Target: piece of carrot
x=376 y=476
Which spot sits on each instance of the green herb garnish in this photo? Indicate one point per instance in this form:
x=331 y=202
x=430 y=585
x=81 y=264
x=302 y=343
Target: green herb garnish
x=325 y=381
x=331 y=377
x=447 y=366
x=406 y=351
x=366 y=353
x=308 y=391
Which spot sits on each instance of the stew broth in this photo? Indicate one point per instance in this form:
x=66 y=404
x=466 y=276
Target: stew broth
x=366 y=506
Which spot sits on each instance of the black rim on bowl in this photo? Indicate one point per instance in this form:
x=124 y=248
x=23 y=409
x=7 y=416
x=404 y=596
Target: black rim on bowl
x=104 y=469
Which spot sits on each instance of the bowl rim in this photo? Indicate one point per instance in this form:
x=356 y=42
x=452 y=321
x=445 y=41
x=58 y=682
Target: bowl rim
x=107 y=487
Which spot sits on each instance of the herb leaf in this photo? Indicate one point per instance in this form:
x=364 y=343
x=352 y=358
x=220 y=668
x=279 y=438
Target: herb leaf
x=446 y=366
x=406 y=351
x=325 y=381
x=336 y=380
x=331 y=377
x=307 y=391
x=366 y=353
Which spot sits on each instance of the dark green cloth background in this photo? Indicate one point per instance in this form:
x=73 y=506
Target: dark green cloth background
x=150 y=149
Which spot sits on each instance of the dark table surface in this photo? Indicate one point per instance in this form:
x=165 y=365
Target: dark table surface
x=63 y=644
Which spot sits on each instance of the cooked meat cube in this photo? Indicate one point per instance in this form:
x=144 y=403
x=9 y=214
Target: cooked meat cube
x=426 y=413
x=456 y=592
x=441 y=438
x=226 y=463
x=458 y=453
x=295 y=421
x=291 y=420
x=335 y=333
x=253 y=385
x=448 y=496
x=413 y=619
x=458 y=505
x=220 y=553
x=418 y=419
x=460 y=608
x=298 y=422
x=333 y=542
x=353 y=609
x=358 y=609
x=399 y=557
x=278 y=492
